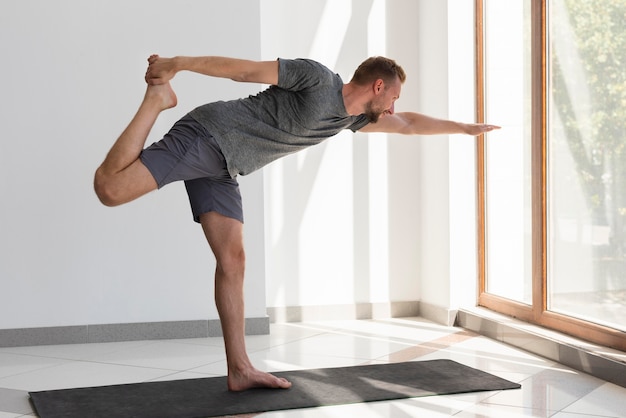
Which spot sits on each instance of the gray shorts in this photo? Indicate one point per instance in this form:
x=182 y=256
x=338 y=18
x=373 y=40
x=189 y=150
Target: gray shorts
x=189 y=152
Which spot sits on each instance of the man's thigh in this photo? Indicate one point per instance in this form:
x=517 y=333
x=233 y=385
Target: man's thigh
x=188 y=151
x=215 y=194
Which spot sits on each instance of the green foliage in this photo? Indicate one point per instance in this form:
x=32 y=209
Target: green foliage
x=596 y=135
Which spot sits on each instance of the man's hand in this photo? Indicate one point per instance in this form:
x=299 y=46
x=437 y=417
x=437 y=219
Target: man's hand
x=478 y=128
x=160 y=70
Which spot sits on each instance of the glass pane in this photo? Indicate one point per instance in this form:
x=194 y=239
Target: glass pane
x=587 y=160
x=507 y=151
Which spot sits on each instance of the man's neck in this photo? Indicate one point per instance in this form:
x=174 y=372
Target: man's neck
x=353 y=99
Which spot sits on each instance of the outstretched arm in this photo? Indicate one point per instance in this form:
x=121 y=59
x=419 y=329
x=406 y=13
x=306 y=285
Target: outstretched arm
x=161 y=70
x=410 y=123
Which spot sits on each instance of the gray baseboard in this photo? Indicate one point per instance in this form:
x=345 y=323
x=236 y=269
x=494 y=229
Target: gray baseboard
x=100 y=333
x=84 y=334
x=438 y=314
x=343 y=312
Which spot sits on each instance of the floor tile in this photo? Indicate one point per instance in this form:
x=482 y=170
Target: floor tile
x=502 y=411
x=469 y=398
x=183 y=376
x=279 y=334
x=549 y=390
x=79 y=374
x=12 y=364
x=344 y=345
x=409 y=331
x=170 y=355
x=206 y=341
x=431 y=407
x=15 y=401
x=492 y=356
x=285 y=333
x=9 y=415
x=572 y=415
x=282 y=359
x=608 y=400
x=74 y=351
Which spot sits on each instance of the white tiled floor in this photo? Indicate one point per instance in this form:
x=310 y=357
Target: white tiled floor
x=548 y=389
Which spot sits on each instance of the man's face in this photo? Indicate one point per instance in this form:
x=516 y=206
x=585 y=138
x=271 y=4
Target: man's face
x=383 y=102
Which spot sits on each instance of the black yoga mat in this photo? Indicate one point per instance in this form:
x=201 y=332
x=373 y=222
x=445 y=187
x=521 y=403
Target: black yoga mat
x=200 y=398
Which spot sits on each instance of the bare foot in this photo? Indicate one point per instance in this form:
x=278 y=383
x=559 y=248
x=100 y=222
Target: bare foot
x=160 y=70
x=253 y=378
x=161 y=95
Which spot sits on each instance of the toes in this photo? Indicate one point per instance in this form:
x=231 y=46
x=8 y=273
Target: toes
x=284 y=383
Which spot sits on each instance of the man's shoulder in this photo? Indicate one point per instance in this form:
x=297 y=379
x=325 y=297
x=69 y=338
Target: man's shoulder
x=305 y=63
x=301 y=73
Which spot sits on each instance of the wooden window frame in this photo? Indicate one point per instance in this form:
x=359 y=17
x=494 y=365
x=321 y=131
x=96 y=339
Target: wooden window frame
x=538 y=312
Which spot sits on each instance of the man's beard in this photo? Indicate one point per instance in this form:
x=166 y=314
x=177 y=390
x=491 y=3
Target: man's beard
x=373 y=114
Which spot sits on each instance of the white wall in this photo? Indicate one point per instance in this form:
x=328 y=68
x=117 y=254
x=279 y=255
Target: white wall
x=341 y=217
x=72 y=73
x=358 y=219
x=448 y=246
x=374 y=218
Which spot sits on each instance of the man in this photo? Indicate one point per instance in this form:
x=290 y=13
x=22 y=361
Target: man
x=305 y=104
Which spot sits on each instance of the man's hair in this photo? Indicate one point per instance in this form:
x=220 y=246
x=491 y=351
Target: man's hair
x=374 y=68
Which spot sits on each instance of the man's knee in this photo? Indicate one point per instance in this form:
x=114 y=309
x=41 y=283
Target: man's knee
x=105 y=189
x=232 y=262
x=114 y=189
x=225 y=237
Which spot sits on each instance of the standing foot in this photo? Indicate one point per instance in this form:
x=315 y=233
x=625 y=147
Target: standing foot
x=253 y=378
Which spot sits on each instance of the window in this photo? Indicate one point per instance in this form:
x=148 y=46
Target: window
x=552 y=182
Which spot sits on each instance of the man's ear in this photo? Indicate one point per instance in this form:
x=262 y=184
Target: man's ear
x=379 y=86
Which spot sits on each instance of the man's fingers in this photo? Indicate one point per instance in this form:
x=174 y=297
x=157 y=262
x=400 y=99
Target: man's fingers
x=483 y=128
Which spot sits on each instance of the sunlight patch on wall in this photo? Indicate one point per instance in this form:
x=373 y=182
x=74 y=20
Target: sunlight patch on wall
x=378 y=171
x=331 y=32
x=379 y=217
x=377 y=29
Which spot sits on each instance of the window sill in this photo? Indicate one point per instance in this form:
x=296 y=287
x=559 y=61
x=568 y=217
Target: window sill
x=602 y=362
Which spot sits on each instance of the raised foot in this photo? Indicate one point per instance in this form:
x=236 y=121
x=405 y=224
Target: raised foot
x=161 y=95
x=253 y=378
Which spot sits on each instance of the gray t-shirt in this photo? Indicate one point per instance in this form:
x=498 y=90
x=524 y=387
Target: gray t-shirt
x=305 y=108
